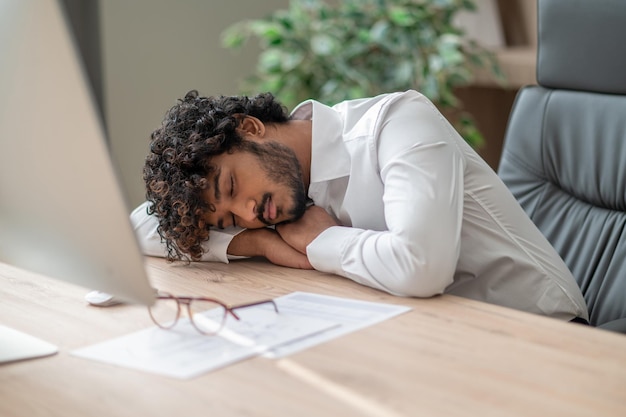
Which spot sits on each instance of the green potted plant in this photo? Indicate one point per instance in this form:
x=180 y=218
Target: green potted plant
x=332 y=51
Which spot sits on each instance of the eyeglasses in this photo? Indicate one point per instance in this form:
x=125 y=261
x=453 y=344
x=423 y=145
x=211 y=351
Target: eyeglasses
x=207 y=315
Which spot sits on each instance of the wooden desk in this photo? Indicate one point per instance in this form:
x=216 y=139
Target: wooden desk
x=449 y=356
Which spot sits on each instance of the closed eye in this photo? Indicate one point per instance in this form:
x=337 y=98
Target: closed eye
x=232 y=186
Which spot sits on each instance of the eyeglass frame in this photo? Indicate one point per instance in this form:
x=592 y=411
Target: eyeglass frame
x=229 y=309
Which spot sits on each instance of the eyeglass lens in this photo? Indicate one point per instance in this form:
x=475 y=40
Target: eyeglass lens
x=165 y=312
x=206 y=316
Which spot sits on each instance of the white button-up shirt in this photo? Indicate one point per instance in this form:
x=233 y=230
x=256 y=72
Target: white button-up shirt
x=421 y=212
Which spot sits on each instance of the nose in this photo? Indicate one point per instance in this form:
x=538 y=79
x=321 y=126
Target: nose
x=244 y=211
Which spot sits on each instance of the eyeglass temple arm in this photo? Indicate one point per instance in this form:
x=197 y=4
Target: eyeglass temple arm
x=256 y=303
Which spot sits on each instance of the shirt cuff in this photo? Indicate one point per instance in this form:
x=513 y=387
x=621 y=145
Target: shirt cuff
x=216 y=248
x=325 y=253
x=146 y=230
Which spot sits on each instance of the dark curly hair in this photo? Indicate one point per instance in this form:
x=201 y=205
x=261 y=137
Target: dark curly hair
x=177 y=167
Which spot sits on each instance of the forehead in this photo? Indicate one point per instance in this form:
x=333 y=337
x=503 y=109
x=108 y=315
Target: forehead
x=233 y=159
x=227 y=157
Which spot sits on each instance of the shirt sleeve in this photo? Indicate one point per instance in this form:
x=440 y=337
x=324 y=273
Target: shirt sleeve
x=421 y=168
x=145 y=226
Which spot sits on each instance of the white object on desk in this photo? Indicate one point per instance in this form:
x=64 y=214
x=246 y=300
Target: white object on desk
x=182 y=352
x=305 y=320
x=350 y=314
x=15 y=346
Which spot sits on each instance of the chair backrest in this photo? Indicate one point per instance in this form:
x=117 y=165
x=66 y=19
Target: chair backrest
x=564 y=155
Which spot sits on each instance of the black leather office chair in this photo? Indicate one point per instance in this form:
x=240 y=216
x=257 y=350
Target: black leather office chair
x=564 y=155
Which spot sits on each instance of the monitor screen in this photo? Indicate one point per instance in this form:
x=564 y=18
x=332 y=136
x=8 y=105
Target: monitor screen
x=62 y=211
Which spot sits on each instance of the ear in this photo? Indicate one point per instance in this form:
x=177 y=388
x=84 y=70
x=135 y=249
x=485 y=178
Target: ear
x=251 y=128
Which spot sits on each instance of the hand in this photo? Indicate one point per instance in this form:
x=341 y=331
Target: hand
x=300 y=233
x=267 y=243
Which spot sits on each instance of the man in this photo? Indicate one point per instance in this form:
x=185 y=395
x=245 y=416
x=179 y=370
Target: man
x=380 y=190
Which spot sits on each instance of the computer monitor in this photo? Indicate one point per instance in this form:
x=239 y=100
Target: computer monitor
x=62 y=210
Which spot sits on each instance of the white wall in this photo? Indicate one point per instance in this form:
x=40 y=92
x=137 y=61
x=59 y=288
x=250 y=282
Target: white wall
x=153 y=52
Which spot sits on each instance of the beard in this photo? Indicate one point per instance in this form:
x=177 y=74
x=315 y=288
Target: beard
x=282 y=167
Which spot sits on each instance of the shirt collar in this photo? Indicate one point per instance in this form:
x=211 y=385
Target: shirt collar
x=329 y=157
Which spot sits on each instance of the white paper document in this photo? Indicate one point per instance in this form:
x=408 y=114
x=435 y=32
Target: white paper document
x=183 y=352
x=349 y=314
x=304 y=320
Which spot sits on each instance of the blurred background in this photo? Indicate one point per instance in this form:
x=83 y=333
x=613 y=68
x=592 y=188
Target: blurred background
x=142 y=55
